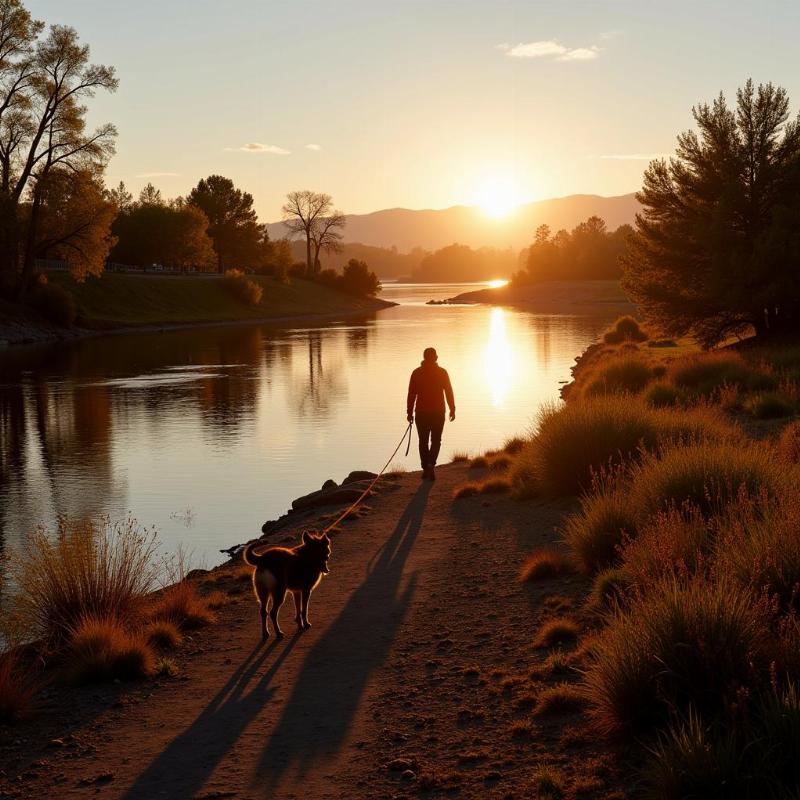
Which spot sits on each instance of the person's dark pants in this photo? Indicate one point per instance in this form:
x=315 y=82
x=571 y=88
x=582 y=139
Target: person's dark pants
x=430 y=425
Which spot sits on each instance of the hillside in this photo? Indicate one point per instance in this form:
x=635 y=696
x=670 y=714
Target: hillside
x=431 y=229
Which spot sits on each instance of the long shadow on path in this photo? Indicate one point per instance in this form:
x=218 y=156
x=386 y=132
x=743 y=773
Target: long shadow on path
x=318 y=714
x=188 y=761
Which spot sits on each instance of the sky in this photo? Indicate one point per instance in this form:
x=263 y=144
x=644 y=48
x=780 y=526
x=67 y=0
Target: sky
x=412 y=103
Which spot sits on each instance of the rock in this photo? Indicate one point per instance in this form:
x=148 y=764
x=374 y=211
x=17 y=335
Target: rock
x=399 y=765
x=409 y=775
x=329 y=485
x=340 y=495
x=359 y=475
x=56 y=743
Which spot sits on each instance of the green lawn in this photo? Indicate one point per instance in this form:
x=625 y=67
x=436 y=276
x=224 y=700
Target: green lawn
x=118 y=299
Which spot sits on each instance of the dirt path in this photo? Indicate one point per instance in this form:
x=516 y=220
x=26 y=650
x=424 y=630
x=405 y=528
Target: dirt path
x=415 y=678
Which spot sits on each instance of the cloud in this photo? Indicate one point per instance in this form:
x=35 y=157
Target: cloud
x=257 y=147
x=158 y=175
x=550 y=49
x=315 y=147
x=635 y=156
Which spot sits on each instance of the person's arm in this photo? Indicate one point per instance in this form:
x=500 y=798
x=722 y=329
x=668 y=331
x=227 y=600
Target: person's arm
x=412 y=397
x=448 y=393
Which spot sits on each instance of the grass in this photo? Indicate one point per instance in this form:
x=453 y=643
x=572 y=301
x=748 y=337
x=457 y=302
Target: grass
x=544 y=564
x=562 y=698
x=622 y=375
x=769 y=405
x=706 y=373
x=788 y=446
x=163 y=634
x=85 y=570
x=166 y=668
x=557 y=631
x=115 y=299
x=493 y=485
x=609 y=589
x=664 y=395
x=574 y=442
x=100 y=649
x=681 y=645
x=181 y=605
x=549 y=783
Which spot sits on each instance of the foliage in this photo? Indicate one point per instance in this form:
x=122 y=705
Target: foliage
x=312 y=215
x=707 y=373
x=232 y=222
x=769 y=405
x=459 y=262
x=716 y=246
x=589 y=252
x=53 y=302
x=624 y=374
x=181 y=605
x=242 y=288
x=356 y=279
x=50 y=165
x=625 y=329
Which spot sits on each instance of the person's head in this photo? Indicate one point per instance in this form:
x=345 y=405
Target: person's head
x=429 y=354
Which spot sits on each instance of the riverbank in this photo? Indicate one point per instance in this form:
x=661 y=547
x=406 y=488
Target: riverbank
x=556 y=297
x=120 y=303
x=421 y=675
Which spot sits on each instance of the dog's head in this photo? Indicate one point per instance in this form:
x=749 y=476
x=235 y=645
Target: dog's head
x=320 y=547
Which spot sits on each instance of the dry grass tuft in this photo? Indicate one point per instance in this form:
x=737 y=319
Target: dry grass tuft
x=788 y=446
x=557 y=632
x=563 y=698
x=627 y=375
x=625 y=329
x=183 y=606
x=163 y=634
x=100 y=649
x=544 y=564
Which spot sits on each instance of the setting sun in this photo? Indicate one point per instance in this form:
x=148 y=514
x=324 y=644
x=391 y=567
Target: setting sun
x=497 y=196
x=498 y=283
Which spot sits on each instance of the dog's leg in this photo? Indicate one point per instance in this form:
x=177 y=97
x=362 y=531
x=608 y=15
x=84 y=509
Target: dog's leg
x=298 y=604
x=278 y=596
x=262 y=596
x=304 y=608
x=264 y=628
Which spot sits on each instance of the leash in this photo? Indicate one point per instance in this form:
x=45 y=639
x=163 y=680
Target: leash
x=366 y=491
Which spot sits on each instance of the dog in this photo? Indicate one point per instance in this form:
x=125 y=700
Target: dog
x=297 y=569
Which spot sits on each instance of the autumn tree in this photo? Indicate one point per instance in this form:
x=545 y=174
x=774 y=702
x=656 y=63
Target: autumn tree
x=717 y=243
x=45 y=81
x=233 y=224
x=311 y=215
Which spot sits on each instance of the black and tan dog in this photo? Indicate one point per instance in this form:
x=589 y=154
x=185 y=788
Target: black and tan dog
x=296 y=569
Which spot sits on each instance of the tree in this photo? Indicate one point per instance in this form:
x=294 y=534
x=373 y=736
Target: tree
x=120 y=197
x=311 y=214
x=150 y=196
x=358 y=280
x=75 y=220
x=716 y=247
x=44 y=83
x=233 y=224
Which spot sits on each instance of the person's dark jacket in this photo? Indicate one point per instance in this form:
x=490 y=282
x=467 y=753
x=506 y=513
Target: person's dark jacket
x=428 y=387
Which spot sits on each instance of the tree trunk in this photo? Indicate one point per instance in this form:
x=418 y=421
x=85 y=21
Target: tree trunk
x=309 y=265
x=219 y=263
x=9 y=246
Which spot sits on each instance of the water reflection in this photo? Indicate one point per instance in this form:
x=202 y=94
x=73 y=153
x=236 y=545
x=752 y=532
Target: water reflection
x=233 y=422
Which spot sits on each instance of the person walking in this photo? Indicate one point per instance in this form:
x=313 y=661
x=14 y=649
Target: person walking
x=428 y=389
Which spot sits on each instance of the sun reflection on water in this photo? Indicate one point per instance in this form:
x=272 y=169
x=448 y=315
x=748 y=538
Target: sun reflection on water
x=499 y=359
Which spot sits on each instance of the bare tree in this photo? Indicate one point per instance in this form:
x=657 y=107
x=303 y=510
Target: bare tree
x=311 y=214
x=327 y=235
x=43 y=86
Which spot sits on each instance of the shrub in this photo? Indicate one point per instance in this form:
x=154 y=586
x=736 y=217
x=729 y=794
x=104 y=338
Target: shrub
x=480 y=462
x=181 y=605
x=664 y=395
x=544 y=564
x=166 y=667
x=513 y=446
x=595 y=535
x=85 y=570
x=706 y=373
x=101 y=650
x=789 y=443
x=557 y=631
x=706 y=476
x=242 y=288
x=769 y=405
x=574 y=441
x=54 y=303
x=486 y=486
x=17 y=689
x=624 y=375
x=549 y=783
x=680 y=645
x=625 y=329
x=777 y=737
x=163 y=634
x=466 y=490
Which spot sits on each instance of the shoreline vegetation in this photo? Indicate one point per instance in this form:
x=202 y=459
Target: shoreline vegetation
x=120 y=303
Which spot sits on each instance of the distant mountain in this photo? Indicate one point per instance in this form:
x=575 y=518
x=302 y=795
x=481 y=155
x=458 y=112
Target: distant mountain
x=406 y=229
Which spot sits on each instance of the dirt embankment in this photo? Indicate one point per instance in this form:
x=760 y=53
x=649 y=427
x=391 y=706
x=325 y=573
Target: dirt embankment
x=419 y=677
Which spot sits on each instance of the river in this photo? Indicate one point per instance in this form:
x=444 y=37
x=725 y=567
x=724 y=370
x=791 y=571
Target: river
x=206 y=433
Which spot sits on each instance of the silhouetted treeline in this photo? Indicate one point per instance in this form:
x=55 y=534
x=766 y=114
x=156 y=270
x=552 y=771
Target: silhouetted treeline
x=356 y=279
x=458 y=262
x=386 y=261
x=588 y=252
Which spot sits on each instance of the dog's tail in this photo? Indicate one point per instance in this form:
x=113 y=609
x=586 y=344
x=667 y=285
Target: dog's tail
x=250 y=556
